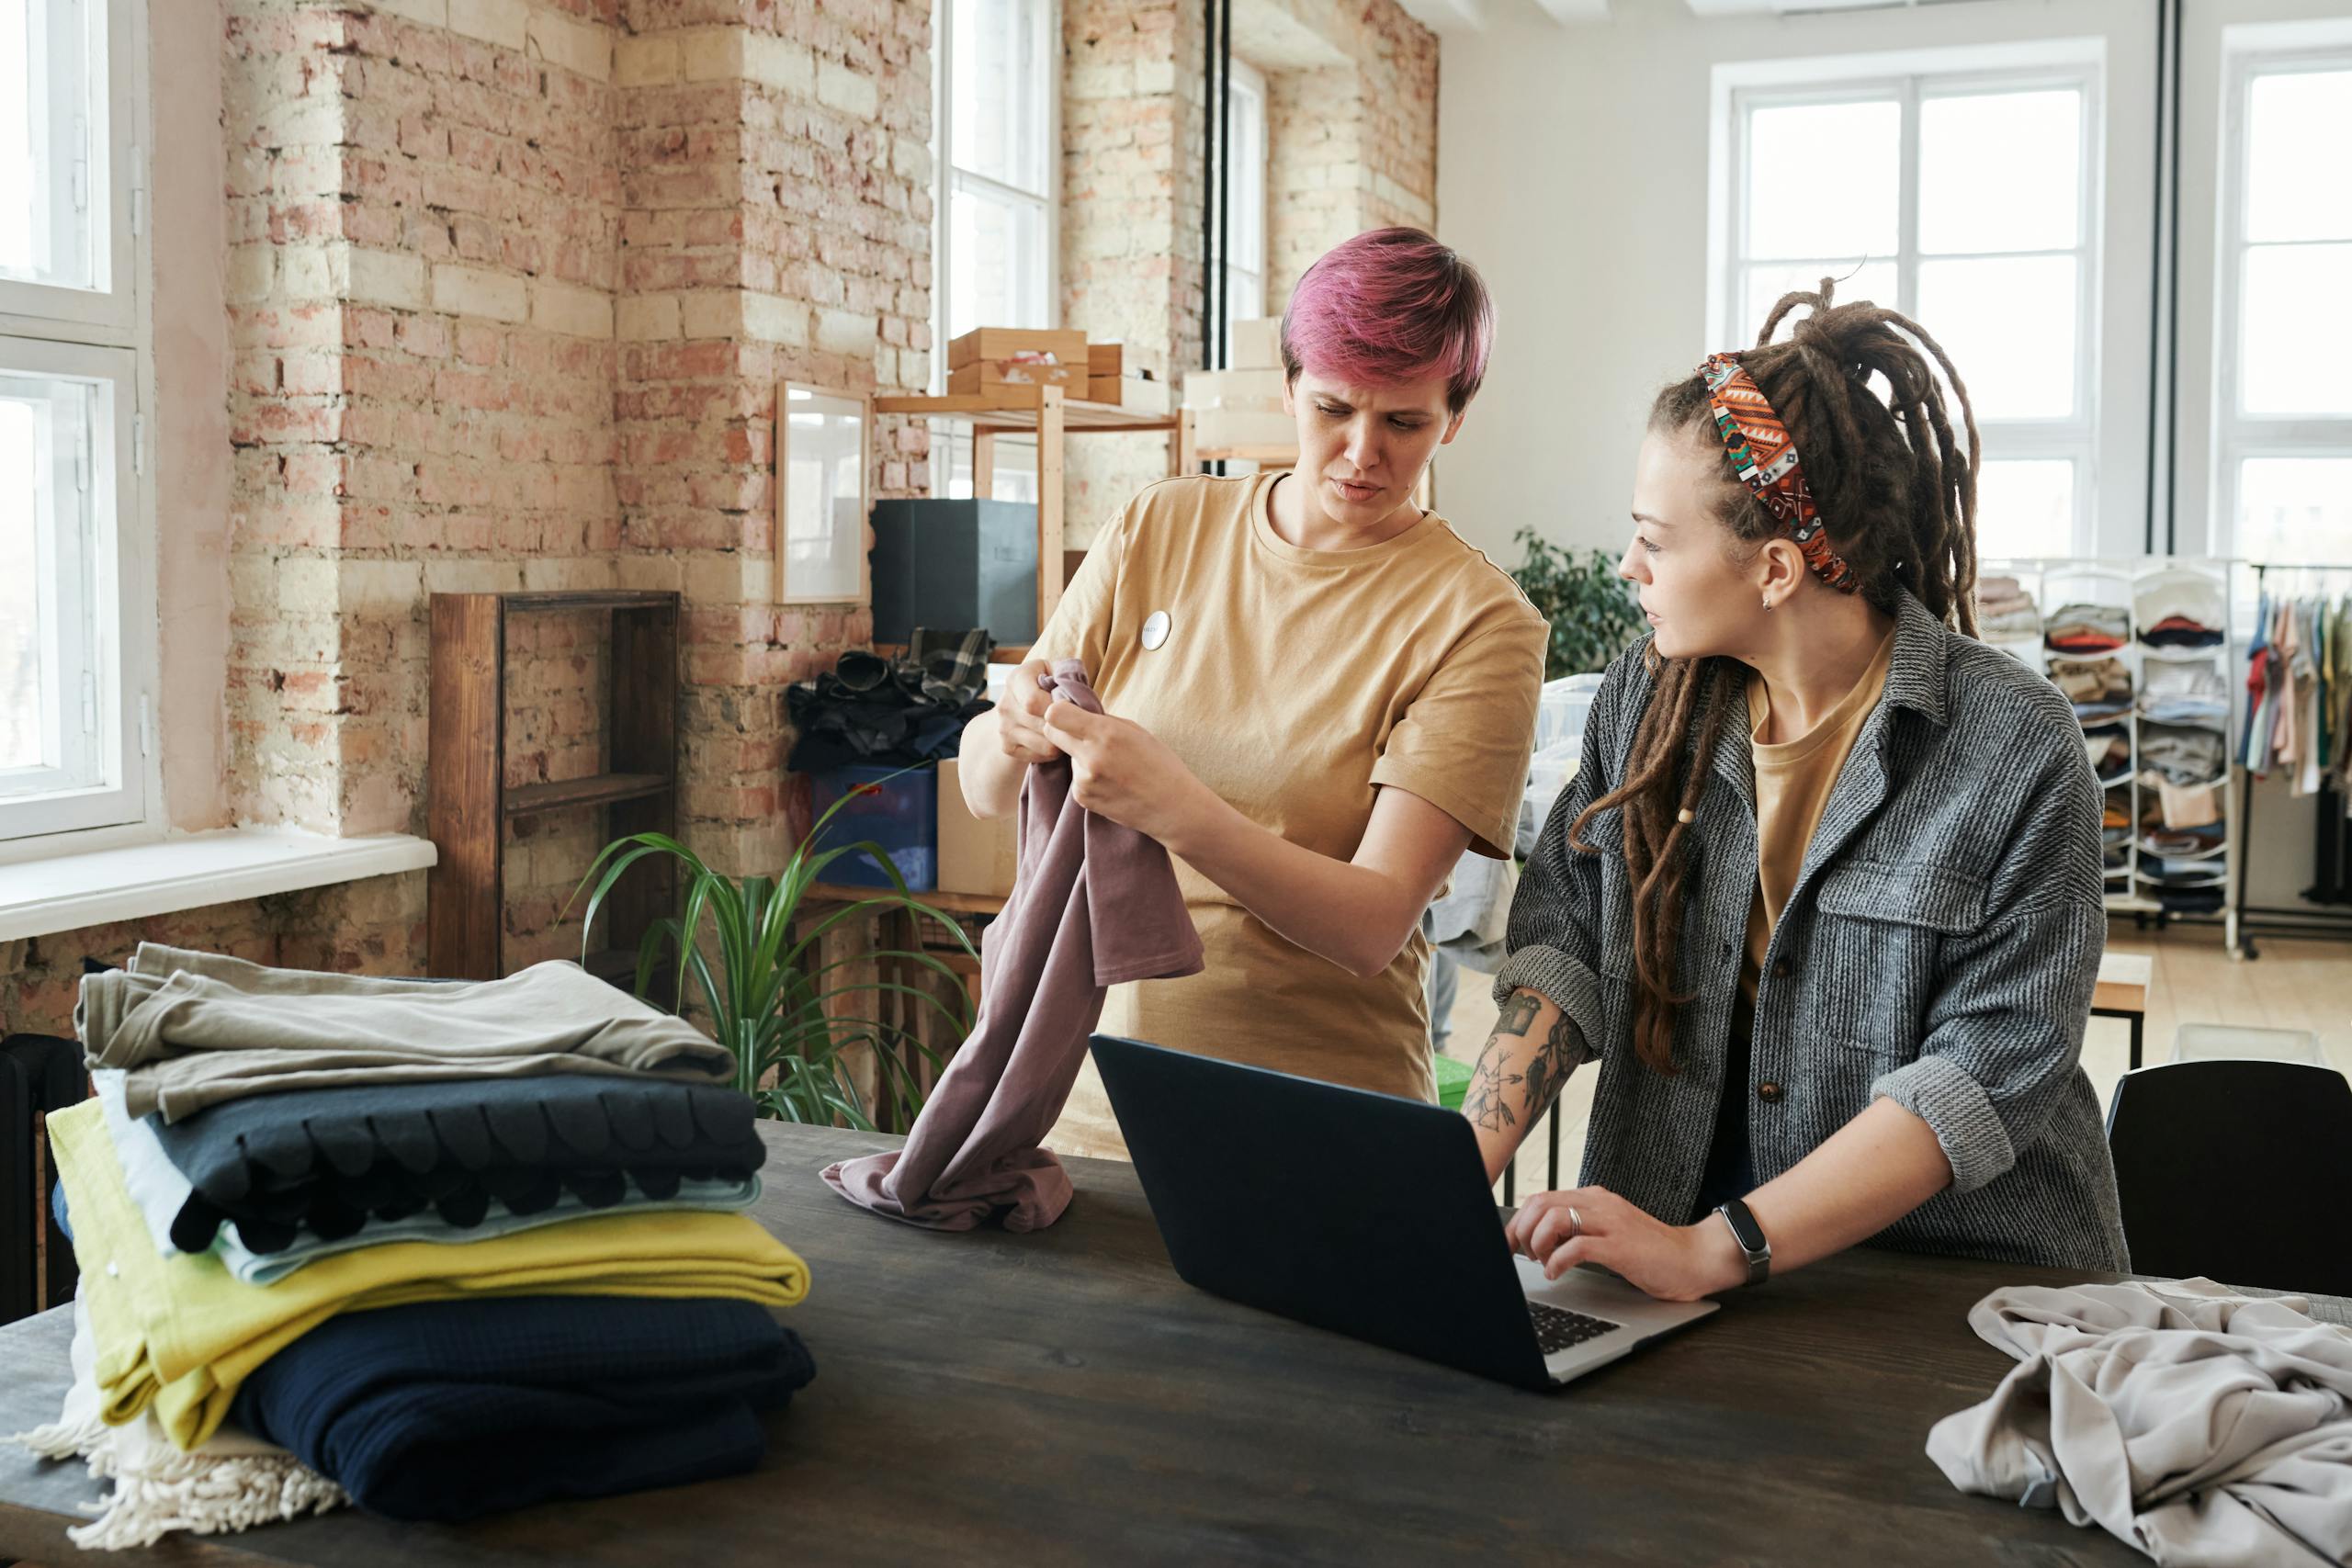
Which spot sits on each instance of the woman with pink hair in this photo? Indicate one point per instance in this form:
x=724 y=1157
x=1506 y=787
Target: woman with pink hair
x=1317 y=695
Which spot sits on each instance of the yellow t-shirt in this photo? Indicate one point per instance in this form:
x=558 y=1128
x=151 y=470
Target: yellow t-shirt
x=1295 y=683
x=1793 y=784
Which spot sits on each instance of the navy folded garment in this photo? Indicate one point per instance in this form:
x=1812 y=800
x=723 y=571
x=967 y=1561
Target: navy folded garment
x=451 y=1410
x=328 y=1160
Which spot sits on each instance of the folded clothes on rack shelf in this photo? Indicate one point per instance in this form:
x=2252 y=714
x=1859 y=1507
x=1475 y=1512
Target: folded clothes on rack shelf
x=2110 y=754
x=2087 y=628
x=2099 y=688
x=2005 y=610
x=2180 y=631
x=2187 y=805
x=2179 y=755
x=2186 y=693
x=2204 y=900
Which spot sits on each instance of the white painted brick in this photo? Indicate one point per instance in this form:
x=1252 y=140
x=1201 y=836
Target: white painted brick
x=642 y=318
x=570 y=310
x=444 y=574
x=711 y=312
x=507 y=23
x=660 y=574
x=771 y=318
x=729 y=578
x=642 y=62
x=772 y=61
x=567 y=572
x=585 y=48
x=253 y=270
x=711 y=54
x=910 y=161
x=433 y=13
x=303 y=273
x=380 y=278
x=380 y=587
x=841 y=88
x=474 y=291
x=846 y=331
x=305 y=582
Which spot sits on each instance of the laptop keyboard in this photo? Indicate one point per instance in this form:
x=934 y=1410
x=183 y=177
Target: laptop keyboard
x=1559 y=1330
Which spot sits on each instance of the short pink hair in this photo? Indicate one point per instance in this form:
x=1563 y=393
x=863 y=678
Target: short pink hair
x=1391 y=305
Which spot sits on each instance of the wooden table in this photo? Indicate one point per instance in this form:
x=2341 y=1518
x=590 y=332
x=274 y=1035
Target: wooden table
x=2123 y=992
x=1063 y=1398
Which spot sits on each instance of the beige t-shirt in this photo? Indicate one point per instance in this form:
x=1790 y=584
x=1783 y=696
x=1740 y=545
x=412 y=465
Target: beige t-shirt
x=1792 y=784
x=1293 y=683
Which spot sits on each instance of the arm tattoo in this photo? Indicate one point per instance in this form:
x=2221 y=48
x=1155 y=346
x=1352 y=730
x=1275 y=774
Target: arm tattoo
x=1547 y=1073
x=1484 y=1103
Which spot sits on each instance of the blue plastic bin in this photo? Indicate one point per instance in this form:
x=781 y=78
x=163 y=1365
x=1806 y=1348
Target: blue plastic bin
x=893 y=808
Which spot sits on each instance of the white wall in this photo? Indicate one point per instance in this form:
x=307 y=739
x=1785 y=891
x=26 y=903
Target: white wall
x=1572 y=169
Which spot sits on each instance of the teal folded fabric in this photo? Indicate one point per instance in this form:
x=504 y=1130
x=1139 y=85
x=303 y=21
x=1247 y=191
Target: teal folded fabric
x=160 y=1191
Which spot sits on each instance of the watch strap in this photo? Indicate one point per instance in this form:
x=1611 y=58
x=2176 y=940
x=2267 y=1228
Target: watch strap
x=1750 y=1238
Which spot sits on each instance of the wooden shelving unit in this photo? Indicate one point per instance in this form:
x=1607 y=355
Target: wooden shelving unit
x=468 y=803
x=1052 y=415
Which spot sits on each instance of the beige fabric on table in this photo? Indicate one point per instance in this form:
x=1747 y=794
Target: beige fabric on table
x=2207 y=1429
x=1296 y=683
x=194 y=1028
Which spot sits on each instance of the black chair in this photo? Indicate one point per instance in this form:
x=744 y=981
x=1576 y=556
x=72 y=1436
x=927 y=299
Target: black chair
x=2237 y=1170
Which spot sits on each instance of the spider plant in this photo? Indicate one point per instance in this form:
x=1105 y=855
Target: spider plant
x=768 y=1001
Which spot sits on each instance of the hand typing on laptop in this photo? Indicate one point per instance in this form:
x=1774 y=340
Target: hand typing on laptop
x=1592 y=1225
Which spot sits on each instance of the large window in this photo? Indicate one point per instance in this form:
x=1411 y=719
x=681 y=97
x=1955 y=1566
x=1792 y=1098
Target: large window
x=998 y=161
x=2284 y=433
x=1965 y=201
x=1243 y=293
x=998 y=234
x=77 y=595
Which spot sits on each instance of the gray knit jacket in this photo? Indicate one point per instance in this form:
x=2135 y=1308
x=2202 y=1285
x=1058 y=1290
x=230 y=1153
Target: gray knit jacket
x=1940 y=948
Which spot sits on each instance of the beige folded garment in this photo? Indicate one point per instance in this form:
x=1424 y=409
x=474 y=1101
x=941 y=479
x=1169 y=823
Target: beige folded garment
x=194 y=1028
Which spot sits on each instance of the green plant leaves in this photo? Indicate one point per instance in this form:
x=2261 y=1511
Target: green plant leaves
x=1593 y=612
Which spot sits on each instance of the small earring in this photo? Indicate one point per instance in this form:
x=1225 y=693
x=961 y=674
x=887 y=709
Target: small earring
x=1767 y=604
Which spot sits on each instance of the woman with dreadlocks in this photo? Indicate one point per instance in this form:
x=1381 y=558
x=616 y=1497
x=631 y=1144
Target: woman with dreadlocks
x=1822 y=901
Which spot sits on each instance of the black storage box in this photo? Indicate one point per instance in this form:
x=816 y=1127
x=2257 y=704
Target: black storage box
x=955 y=563
x=39 y=1074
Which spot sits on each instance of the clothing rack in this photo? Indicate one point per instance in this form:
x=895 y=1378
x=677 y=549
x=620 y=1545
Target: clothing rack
x=2329 y=884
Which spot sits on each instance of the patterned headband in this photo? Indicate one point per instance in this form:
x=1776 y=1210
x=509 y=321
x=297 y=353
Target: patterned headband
x=1765 y=457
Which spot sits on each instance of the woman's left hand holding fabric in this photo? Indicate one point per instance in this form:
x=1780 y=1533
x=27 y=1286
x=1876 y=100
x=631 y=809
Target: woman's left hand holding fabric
x=1121 y=770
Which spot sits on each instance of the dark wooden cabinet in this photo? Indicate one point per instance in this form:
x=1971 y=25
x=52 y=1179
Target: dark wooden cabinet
x=468 y=803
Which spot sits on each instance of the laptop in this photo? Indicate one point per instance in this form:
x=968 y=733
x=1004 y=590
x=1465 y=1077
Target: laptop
x=1243 y=1169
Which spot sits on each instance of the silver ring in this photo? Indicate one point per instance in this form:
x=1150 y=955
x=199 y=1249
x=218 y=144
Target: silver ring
x=1575 y=1223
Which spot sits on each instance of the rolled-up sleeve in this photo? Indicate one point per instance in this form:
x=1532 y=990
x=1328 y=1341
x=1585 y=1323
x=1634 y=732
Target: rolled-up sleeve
x=2004 y=1033
x=1553 y=944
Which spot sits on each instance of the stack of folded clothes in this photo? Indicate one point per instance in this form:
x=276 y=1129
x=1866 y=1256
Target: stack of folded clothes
x=2186 y=693
x=2099 y=688
x=2005 y=612
x=2176 y=855
x=2115 y=830
x=437 y=1249
x=2179 y=755
x=2087 y=628
x=2110 y=749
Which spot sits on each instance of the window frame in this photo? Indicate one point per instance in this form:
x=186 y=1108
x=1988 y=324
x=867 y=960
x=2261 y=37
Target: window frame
x=951 y=439
x=1248 y=89
x=2073 y=437
x=2238 y=435
x=106 y=337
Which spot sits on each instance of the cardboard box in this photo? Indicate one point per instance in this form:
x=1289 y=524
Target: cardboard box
x=1220 y=429
x=1068 y=347
x=982 y=374
x=1246 y=390
x=1258 y=344
x=1105 y=359
x=975 y=857
x=1131 y=392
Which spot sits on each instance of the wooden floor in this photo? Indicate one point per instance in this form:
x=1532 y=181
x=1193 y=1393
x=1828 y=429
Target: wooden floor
x=2294 y=985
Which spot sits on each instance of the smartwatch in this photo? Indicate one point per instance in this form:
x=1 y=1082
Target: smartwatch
x=1750 y=1236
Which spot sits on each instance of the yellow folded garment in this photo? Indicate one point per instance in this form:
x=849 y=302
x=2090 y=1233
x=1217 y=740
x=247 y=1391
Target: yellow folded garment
x=181 y=1333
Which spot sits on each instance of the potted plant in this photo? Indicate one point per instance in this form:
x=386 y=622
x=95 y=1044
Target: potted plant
x=764 y=1006
x=1594 y=614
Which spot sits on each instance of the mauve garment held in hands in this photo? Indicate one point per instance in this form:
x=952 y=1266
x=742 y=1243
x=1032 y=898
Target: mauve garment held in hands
x=1044 y=964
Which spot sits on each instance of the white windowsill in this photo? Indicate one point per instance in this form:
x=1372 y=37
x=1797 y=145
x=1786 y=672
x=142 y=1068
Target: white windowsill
x=190 y=871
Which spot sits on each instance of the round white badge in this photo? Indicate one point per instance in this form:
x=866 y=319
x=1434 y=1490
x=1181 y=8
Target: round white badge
x=1155 y=630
